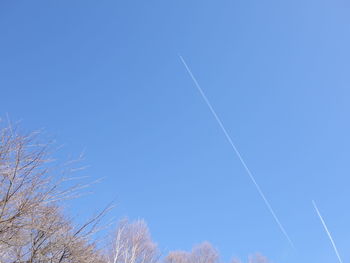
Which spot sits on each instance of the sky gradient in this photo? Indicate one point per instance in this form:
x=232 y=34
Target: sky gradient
x=104 y=77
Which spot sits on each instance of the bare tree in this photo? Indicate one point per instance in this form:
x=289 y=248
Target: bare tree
x=32 y=226
x=133 y=244
x=202 y=253
x=178 y=257
x=257 y=258
x=205 y=253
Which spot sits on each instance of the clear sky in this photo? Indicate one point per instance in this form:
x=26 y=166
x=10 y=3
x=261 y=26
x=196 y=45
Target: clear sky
x=105 y=77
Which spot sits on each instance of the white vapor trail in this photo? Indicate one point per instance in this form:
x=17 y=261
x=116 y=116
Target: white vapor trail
x=327 y=231
x=267 y=203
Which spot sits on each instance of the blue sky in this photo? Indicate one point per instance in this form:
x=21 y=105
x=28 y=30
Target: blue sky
x=105 y=77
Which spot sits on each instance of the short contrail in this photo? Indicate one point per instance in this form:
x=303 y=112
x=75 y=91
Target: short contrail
x=237 y=152
x=327 y=231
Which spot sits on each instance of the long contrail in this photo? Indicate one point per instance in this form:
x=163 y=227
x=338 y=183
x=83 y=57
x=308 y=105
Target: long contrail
x=228 y=137
x=327 y=231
